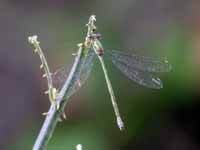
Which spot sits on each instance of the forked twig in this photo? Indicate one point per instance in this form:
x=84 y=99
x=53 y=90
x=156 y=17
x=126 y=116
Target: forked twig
x=62 y=97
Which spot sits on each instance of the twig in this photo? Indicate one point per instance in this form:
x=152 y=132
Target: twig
x=62 y=97
x=52 y=92
x=53 y=114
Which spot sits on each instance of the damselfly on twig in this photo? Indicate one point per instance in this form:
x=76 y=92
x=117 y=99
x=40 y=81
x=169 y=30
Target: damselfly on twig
x=137 y=68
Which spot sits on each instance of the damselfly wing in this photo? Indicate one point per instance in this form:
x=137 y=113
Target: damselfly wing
x=137 y=68
x=60 y=76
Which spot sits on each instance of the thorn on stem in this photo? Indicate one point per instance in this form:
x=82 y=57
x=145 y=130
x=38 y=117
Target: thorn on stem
x=45 y=113
x=74 y=54
x=64 y=115
x=80 y=44
x=41 y=66
x=46 y=92
x=44 y=75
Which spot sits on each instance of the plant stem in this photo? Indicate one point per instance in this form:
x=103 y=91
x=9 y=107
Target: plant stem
x=54 y=113
x=51 y=90
x=62 y=98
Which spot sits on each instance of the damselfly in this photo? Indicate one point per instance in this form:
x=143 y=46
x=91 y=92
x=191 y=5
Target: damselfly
x=135 y=67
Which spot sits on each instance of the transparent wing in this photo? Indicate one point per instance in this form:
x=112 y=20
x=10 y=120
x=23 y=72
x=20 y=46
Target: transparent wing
x=138 y=76
x=140 y=62
x=60 y=76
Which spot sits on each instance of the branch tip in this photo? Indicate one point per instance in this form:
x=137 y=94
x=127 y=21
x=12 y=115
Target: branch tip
x=32 y=39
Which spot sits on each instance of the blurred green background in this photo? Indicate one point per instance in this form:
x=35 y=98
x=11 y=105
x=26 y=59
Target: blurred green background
x=166 y=119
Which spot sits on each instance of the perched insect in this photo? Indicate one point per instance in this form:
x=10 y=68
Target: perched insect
x=135 y=67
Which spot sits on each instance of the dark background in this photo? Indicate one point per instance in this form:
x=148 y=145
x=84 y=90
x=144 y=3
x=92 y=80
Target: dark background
x=166 y=119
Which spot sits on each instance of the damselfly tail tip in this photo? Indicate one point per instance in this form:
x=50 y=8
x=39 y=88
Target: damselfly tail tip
x=120 y=123
x=78 y=147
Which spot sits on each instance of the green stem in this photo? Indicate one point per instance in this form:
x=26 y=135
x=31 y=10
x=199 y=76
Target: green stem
x=54 y=113
x=62 y=98
x=51 y=90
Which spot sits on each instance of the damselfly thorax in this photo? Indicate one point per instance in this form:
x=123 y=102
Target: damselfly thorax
x=97 y=45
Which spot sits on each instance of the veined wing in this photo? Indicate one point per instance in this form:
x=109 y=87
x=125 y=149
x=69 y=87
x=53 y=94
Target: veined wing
x=140 y=62
x=60 y=76
x=138 y=76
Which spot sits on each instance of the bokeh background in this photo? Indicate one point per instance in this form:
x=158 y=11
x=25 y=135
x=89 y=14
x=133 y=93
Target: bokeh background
x=166 y=119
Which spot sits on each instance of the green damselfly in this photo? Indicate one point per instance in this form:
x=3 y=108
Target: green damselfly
x=140 y=69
